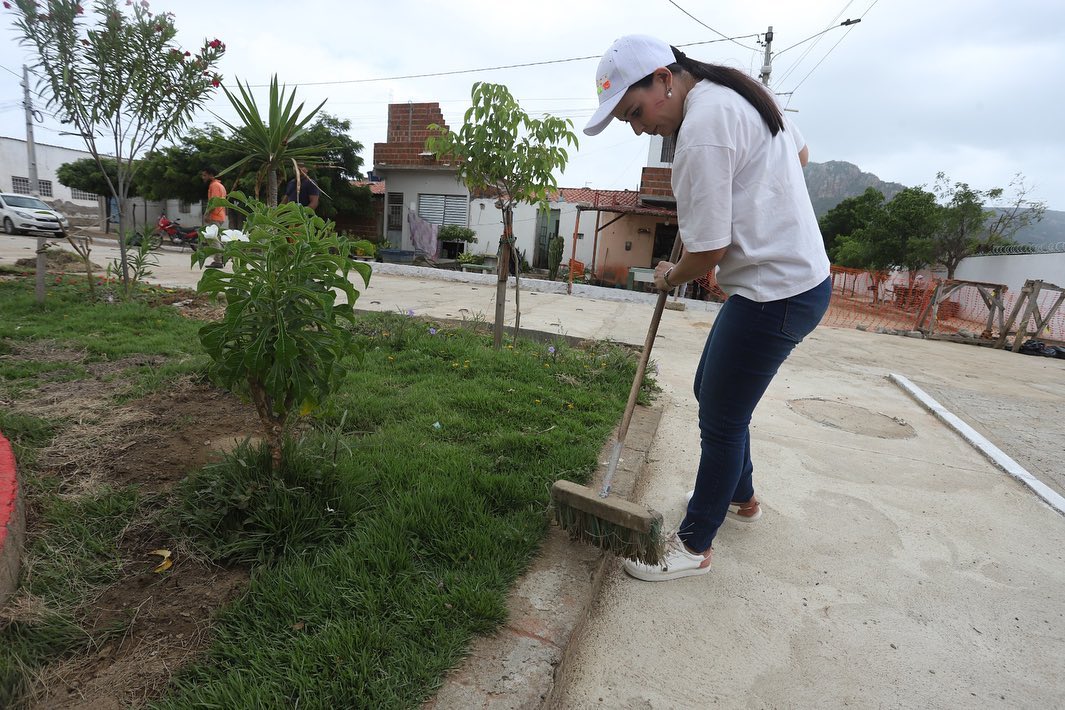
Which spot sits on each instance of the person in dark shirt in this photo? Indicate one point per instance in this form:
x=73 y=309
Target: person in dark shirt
x=309 y=191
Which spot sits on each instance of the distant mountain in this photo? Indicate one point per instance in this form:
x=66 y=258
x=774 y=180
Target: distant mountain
x=1049 y=230
x=832 y=182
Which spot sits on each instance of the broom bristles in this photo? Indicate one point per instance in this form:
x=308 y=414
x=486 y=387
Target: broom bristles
x=611 y=524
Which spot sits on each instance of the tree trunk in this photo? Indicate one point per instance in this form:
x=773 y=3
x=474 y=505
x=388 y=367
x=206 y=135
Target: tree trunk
x=273 y=428
x=271 y=187
x=503 y=272
x=121 y=198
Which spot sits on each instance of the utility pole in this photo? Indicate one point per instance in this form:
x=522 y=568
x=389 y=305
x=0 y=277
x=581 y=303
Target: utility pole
x=767 y=67
x=35 y=185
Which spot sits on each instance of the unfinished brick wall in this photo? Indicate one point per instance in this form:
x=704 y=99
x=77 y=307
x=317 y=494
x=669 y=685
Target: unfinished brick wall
x=408 y=128
x=656 y=181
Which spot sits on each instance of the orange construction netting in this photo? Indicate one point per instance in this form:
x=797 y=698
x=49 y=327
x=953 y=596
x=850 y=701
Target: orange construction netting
x=872 y=300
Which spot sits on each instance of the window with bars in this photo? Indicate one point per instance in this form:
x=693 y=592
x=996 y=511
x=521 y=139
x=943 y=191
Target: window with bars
x=669 y=148
x=21 y=186
x=184 y=207
x=395 y=211
x=443 y=209
x=77 y=194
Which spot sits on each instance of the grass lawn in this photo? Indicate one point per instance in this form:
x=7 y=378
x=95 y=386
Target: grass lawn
x=409 y=504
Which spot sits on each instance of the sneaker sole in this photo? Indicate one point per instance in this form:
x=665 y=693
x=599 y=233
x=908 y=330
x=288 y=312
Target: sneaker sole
x=667 y=576
x=734 y=515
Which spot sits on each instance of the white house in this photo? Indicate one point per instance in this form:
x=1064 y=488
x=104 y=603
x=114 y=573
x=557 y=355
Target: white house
x=84 y=208
x=609 y=231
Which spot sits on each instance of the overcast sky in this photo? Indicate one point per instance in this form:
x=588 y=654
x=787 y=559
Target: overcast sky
x=969 y=87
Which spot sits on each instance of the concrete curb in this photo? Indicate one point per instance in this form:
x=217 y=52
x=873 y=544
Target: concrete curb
x=521 y=665
x=602 y=293
x=993 y=454
x=12 y=522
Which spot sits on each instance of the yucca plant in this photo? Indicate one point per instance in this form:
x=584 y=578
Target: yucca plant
x=266 y=139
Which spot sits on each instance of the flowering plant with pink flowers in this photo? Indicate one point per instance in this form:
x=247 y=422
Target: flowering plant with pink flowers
x=118 y=76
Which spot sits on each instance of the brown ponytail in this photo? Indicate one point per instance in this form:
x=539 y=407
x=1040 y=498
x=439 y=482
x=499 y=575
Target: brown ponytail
x=755 y=94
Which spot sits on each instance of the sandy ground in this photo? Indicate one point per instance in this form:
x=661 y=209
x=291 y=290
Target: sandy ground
x=894 y=565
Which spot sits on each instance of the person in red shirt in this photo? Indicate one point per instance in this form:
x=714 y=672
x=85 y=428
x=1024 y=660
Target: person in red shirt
x=216 y=216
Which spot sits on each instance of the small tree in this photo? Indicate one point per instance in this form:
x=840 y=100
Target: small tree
x=266 y=140
x=282 y=339
x=124 y=84
x=968 y=227
x=501 y=149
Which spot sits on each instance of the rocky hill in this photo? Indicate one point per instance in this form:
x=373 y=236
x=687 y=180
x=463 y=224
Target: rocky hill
x=830 y=183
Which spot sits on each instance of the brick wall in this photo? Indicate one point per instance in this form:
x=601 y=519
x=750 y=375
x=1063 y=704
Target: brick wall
x=656 y=181
x=408 y=128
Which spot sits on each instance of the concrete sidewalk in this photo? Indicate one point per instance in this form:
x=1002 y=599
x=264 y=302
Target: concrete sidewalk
x=894 y=565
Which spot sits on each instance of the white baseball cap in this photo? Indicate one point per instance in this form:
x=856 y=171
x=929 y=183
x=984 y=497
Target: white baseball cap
x=628 y=60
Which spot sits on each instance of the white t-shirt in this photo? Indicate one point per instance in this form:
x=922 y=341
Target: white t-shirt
x=739 y=186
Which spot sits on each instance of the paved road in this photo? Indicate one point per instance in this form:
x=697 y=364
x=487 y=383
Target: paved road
x=894 y=565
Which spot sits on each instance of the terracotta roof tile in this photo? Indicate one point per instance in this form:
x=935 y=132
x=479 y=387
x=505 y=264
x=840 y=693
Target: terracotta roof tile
x=377 y=187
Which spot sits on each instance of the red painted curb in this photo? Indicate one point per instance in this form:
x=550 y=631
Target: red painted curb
x=8 y=487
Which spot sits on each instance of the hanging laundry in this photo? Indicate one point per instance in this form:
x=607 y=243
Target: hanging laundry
x=423 y=235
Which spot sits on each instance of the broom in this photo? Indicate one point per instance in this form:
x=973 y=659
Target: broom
x=614 y=524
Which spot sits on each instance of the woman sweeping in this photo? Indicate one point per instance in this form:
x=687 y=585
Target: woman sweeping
x=743 y=209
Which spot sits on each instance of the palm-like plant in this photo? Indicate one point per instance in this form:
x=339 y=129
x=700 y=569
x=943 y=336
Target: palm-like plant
x=266 y=139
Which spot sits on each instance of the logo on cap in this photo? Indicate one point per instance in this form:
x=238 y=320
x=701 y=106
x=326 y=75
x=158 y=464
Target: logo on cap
x=602 y=85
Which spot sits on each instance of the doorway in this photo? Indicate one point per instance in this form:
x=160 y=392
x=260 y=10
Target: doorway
x=665 y=235
x=547 y=223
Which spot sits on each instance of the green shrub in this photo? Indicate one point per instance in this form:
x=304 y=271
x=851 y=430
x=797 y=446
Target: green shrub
x=455 y=233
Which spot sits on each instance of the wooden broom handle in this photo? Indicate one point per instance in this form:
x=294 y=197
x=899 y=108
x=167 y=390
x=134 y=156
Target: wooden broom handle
x=648 y=343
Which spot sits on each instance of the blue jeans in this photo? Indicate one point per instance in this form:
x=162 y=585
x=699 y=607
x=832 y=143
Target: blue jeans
x=746 y=346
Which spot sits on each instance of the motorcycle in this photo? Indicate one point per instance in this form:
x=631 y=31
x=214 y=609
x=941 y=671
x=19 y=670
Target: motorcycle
x=181 y=236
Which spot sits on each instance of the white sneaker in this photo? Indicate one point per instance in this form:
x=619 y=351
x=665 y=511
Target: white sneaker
x=676 y=562
x=744 y=512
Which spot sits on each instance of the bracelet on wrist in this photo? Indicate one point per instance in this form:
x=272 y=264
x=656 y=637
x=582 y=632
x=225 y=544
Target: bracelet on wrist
x=665 y=277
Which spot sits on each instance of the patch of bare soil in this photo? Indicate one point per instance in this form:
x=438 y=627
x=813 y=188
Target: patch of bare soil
x=58 y=260
x=191 y=304
x=164 y=618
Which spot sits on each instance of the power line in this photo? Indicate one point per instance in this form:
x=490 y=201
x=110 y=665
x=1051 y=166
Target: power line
x=806 y=52
x=727 y=38
x=849 y=30
x=483 y=69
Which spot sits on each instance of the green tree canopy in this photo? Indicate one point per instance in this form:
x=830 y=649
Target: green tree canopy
x=849 y=216
x=174 y=171
x=85 y=174
x=884 y=236
x=339 y=163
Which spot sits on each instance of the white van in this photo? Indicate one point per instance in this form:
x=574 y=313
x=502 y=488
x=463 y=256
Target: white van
x=21 y=213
